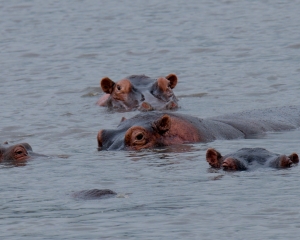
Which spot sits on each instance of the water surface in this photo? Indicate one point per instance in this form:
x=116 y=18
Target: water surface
x=228 y=56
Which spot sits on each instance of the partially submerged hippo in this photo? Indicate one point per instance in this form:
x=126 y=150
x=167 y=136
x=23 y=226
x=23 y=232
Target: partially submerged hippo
x=247 y=158
x=17 y=154
x=155 y=129
x=93 y=194
x=139 y=92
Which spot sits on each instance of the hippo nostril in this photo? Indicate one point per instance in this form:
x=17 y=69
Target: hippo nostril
x=171 y=105
x=145 y=107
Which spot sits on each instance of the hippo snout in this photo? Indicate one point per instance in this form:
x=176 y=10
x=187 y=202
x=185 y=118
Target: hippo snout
x=171 y=105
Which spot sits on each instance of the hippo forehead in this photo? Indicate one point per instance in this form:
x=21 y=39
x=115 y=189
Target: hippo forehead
x=126 y=84
x=140 y=80
x=144 y=120
x=253 y=154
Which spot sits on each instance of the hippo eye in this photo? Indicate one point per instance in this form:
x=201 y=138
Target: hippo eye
x=139 y=137
x=19 y=152
x=119 y=87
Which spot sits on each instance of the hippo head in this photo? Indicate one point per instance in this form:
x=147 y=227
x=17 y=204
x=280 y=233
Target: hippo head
x=284 y=161
x=140 y=91
x=135 y=134
x=216 y=160
x=122 y=94
x=18 y=152
x=162 y=88
x=160 y=95
x=246 y=158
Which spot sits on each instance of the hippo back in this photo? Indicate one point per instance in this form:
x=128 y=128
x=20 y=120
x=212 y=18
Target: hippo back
x=93 y=194
x=250 y=155
x=263 y=120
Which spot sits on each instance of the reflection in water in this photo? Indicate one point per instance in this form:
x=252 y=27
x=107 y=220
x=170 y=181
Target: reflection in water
x=163 y=153
x=195 y=95
x=184 y=148
x=218 y=177
x=13 y=163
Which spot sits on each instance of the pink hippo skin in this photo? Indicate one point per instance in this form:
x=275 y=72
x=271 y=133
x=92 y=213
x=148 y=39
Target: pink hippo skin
x=249 y=158
x=139 y=92
x=156 y=129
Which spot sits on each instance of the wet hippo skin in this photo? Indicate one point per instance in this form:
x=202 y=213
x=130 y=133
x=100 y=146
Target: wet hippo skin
x=17 y=152
x=139 y=92
x=155 y=129
x=249 y=158
x=93 y=194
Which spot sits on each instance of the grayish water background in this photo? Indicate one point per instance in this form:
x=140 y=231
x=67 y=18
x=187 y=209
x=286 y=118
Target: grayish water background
x=228 y=55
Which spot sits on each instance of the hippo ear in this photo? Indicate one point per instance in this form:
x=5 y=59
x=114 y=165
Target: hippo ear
x=294 y=158
x=122 y=120
x=213 y=157
x=107 y=85
x=173 y=80
x=99 y=139
x=212 y=153
x=163 y=124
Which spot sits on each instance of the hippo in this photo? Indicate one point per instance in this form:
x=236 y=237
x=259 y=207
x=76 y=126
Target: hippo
x=157 y=129
x=93 y=194
x=249 y=158
x=139 y=92
x=17 y=154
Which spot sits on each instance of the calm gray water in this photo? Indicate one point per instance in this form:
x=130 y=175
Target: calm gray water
x=228 y=55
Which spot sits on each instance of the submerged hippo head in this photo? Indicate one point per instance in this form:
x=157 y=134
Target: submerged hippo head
x=139 y=92
x=18 y=152
x=246 y=158
x=93 y=194
x=148 y=130
x=162 y=88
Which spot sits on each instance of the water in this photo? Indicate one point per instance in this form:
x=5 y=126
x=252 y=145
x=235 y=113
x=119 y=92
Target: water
x=228 y=56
